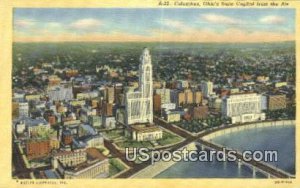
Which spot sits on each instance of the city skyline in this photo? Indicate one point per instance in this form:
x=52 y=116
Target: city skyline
x=153 y=25
x=82 y=105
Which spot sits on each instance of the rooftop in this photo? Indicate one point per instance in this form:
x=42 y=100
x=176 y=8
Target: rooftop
x=143 y=128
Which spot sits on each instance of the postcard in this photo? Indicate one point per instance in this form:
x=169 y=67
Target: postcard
x=149 y=94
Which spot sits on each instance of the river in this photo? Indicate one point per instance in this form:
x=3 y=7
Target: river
x=281 y=139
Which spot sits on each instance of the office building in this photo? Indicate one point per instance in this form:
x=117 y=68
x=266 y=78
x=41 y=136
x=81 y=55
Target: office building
x=68 y=158
x=139 y=104
x=207 y=88
x=110 y=94
x=243 y=107
x=165 y=95
x=37 y=148
x=23 y=109
x=157 y=103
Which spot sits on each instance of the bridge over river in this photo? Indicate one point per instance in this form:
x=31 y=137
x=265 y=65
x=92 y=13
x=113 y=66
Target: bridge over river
x=263 y=167
x=202 y=139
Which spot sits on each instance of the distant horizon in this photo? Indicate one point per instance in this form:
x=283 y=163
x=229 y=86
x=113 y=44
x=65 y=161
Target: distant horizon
x=288 y=41
x=205 y=25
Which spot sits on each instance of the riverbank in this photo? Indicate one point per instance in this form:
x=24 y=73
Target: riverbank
x=281 y=123
x=158 y=167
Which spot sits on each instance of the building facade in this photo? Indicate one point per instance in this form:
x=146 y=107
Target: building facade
x=36 y=148
x=109 y=122
x=68 y=158
x=173 y=117
x=200 y=112
x=97 y=169
x=23 y=109
x=95 y=165
x=186 y=97
x=107 y=109
x=207 y=88
x=276 y=102
x=139 y=104
x=165 y=95
x=157 y=103
x=243 y=108
x=144 y=133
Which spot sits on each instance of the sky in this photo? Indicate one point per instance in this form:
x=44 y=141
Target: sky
x=153 y=25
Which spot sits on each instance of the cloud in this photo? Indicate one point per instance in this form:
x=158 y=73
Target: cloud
x=172 y=23
x=53 y=24
x=25 y=23
x=220 y=19
x=175 y=25
x=272 y=19
x=231 y=35
x=55 y=31
x=87 y=23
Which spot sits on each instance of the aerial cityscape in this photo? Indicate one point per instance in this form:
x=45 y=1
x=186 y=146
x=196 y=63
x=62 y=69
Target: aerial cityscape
x=83 y=101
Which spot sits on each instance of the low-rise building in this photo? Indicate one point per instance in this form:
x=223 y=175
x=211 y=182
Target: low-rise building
x=182 y=84
x=23 y=109
x=67 y=137
x=199 y=112
x=60 y=93
x=20 y=127
x=32 y=126
x=95 y=121
x=87 y=95
x=280 y=84
x=145 y=133
x=262 y=79
x=168 y=106
x=68 y=158
x=96 y=166
x=37 y=148
x=86 y=112
x=215 y=103
x=54 y=143
x=52 y=120
x=172 y=116
x=94 y=141
x=109 y=122
x=77 y=102
x=86 y=130
x=53 y=80
x=32 y=97
x=276 y=102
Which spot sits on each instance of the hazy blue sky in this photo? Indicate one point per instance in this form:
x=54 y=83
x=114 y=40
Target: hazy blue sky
x=248 y=25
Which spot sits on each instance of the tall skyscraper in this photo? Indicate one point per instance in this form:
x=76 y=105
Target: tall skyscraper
x=139 y=104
